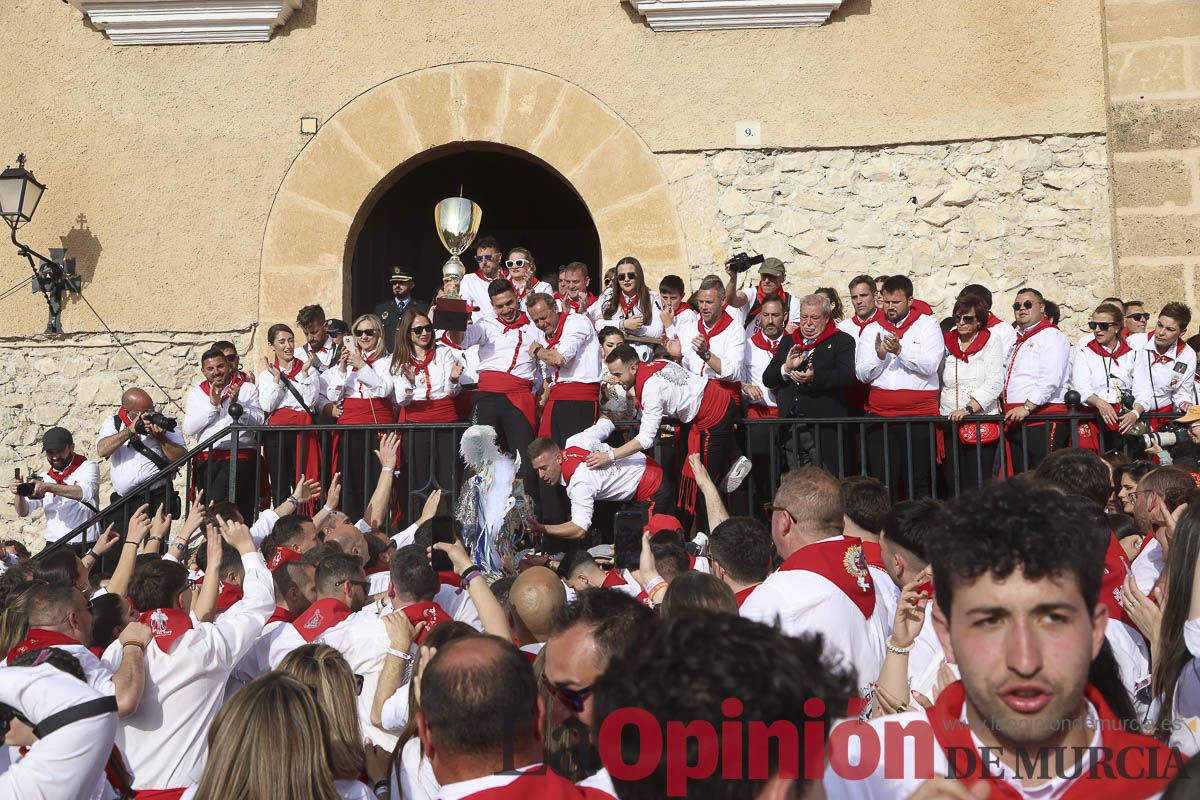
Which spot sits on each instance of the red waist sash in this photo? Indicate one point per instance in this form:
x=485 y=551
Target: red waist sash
x=903 y=402
x=361 y=411
x=650 y=481
x=571 y=390
x=441 y=410
x=518 y=391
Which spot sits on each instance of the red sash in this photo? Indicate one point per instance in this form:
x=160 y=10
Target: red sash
x=713 y=406
x=518 y=390
x=308 y=446
x=61 y=477
x=167 y=625
x=569 y=390
x=320 y=617
x=843 y=563
x=1135 y=754
x=954 y=346
x=797 y=338
x=644 y=373
x=649 y=483
x=366 y=411
x=36 y=639
x=441 y=410
x=430 y=613
x=572 y=457
x=902 y=402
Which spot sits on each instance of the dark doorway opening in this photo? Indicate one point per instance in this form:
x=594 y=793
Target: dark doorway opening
x=524 y=203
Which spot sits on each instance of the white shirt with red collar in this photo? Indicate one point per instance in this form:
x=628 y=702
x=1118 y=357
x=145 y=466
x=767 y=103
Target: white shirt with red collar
x=273 y=395
x=575 y=340
x=726 y=338
x=856 y=327
x=671 y=392
x=467 y=356
x=324 y=354
x=539 y=287
x=372 y=380
x=1005 y=332
x=754 y=302
x=914 y=370
x=63 y=514
x=202 y=419
x=503 y=347
x=526 y=783
x=96 y=673
x=1164 y=380
x=629 y=307
x=166 y=740
x=431 y=377
x=831 y=596
x=616 y=481
x=1039 y=367
x=474 y=289
x=129 y=469
x=579 y=306
x=759 y=352
x=1105 y=372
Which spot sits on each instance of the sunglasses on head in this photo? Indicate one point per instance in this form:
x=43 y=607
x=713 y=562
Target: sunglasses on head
x=1100 y=326
x=366 y=332
x=964 y=317
x=488 y=257
x=419 y=329
x=1028 y=304
x=1139 y=317
x=572 y=699
x=515 y=262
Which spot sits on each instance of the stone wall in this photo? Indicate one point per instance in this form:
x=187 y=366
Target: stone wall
x=76 y=381
x=1154 y=94
x=1006 y=213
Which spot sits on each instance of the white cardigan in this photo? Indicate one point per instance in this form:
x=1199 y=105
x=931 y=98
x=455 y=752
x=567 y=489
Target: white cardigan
x=981 y=378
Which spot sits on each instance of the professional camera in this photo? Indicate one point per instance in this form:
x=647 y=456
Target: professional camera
x=154 y=418
x=24 y=488
x=1167 y=437
x=742 y=262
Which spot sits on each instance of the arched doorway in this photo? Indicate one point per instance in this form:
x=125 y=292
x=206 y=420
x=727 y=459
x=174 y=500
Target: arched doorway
x=524 y=202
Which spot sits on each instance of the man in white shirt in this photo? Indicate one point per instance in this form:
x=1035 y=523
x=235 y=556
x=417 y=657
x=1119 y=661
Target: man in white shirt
x=823 y=585
x=187 y=665
x=636 y=478
x=712 y=343
x=570 y=363
x=573 y=294
x=771 y=279
x=1038 y=372
x=207 y=414
x=898 y=357
x=489 y=260
x=68 y=492
x=318 y=342
x=1164 y=368
x=137 y=450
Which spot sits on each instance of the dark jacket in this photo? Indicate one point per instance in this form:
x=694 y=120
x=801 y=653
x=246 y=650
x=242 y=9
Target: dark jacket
x=390 y=315
x=833 y=371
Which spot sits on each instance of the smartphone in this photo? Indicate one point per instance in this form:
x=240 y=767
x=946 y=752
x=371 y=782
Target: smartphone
x=443 y=531
x=350 y=343
x=627 y=538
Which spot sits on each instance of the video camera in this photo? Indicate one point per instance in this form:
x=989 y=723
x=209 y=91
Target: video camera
x=154 y=418
x=742 y=262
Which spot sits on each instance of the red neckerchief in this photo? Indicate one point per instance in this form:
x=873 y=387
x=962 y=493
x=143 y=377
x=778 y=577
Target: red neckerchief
x=320 y=617
x=1121 y=349
x=760 y=296
x=280 y=614
x=1139 y=755
x=446 y=341
x=324 y=345
x=422 y=367
x=955 y=347
x=874 y=554
x=763 y=343
x=227 y=392
x=167 y=625
x=1116 y=567
x=36 y=639
x=520 y=322
x=627 y=308
x=1166 y=359
x=294 y=367
x=1034 y=331
x=843 y=563
x=450 y=579
x=992 y=320
x=745 y=593
x=281 y=556
x=430 y=613
x=227 y=595
x=905 y=324
x=572 y=457
x=643 y=374
x=124 y=417
x=723 y=322
x=578 y=306
x=552 y=341
x=798 y=338
x=862 y=326
x=59 y=477
x=521 y=292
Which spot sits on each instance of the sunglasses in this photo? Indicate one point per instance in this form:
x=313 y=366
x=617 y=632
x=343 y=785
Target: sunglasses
x=572 y=699
x=370 y=332
x=627 y=276
x=1138 y=317
x=1028 y=304
x=964 y=317
x=488 y=257
x=1101 y=326
x=364 y=584
x=515 y=262
x=419 y=329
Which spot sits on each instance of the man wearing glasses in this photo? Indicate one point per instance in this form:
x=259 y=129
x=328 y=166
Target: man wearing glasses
x=1149 y=514
x=1037 y=379
x=489 y=265
x=1137 y=319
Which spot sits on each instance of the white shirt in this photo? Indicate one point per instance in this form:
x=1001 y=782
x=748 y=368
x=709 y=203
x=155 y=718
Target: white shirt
x=1008 y=337
x=1093 y=374
x=651 y=326
x=273 y=396
x=371 y=381
x=65 y=763
x=729 y=346
x=616 y=481
x=580 y=349
x=202 y=419
x=754 y=364
x=128 y=468
x=1164 y=380
x=501 y=350
x=474 y=289
x=324 y=355
x=916 y=368
x=1038 y=368
x=165 y=740
x=1148 y=566
x=751 y=319
x=671 y=392
x=539 y=287
x=980 y=379
x=468 y=357
x=800 y=602
x=417 y=781
x=63 y=515
x=433 y=382
x=257 y=659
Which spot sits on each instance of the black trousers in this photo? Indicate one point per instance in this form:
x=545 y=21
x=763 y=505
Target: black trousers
x=898 y=454
x=717 y=450
x=430 y=460
x=1030 y=444
x=280 y=449
x=359 y=468
x=816 y=445
x=513 y=433
x=212 y=476
x=974 y=465
x=571 y=417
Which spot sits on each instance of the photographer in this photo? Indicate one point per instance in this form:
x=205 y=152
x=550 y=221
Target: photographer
x=68 y=492
x=138 y=443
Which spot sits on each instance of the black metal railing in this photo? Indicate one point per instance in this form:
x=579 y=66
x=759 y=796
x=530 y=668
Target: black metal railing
x=914 y=456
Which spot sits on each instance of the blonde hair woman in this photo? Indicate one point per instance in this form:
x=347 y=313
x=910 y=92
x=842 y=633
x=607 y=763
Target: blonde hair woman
x=328 y=673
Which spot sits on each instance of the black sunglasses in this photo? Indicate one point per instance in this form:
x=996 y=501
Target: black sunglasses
x=964 y=317
x=627 y=276
x=364 y=584
x=1139 y=317
x=419 y=329
x=572 y=699
x=488 y=257
x=1100 y=326
x=1027 y=304
x=371 y=332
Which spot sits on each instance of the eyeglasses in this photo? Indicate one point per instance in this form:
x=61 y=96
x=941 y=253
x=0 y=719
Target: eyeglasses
x=419 y=329
x=627 y=276
x=1139 y=317
x=515 y=262
x=1028 y=304
x=771 y=508
x=964 y=318
x=1132 y=495
x=488 y=257
x=364 y=584
x=1100 y=326
x=572 y=699
x=362 y=333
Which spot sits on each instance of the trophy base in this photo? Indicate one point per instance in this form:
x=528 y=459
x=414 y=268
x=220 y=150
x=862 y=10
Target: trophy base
x=451 y=314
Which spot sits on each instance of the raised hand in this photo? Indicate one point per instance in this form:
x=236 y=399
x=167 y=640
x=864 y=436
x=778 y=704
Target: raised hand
x=139 y=525
x=237 y=535
x=389 y=450
x=107 y=540
x=459 y=558
x=272 y=368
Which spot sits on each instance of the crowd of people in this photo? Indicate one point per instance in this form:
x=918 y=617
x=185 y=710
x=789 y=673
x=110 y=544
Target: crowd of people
x=1034 y=637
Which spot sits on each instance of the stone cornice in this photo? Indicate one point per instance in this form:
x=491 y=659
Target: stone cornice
x=186 y=21
x=700 y=15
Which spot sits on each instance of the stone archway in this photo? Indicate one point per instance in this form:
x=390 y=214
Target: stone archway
x=341 y=171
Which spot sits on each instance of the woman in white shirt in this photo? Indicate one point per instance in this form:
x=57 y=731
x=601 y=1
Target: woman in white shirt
x=615 y=402
x=972 y=378
x=630 y=306
x=522 y=273
x=290 y=456
x=358 y=391
x=426 y=378
x=1102 y=373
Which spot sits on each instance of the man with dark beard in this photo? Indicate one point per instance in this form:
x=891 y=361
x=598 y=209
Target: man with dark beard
x=68 y=492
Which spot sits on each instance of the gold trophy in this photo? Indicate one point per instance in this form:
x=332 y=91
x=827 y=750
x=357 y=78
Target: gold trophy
x=457 y=220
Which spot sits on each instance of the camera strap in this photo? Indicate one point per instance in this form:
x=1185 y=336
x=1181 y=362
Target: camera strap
x=296 y=396
x=92 y=708
x=140 y=447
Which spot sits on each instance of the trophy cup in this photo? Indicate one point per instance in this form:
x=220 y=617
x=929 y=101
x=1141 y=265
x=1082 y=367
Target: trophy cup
x=457 y=220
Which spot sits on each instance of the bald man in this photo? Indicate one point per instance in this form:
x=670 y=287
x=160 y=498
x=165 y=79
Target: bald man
x=535 y=597
x=351 y=541
x=137 y=451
